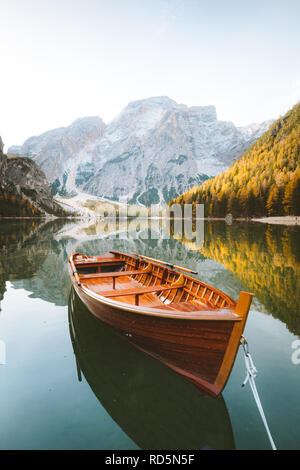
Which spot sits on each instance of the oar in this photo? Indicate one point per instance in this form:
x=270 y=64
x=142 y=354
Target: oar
x=172 y=266
x=75 y=273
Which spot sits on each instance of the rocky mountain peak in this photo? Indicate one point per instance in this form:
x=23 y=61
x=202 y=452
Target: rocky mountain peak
x=152 y=151
x=205 y=113
x=24 y=189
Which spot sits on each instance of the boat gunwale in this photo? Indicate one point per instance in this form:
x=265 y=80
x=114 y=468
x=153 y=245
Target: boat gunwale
x=224 y=314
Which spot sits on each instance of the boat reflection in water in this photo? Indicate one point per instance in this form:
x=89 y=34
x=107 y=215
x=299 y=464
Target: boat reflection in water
x=155 y=407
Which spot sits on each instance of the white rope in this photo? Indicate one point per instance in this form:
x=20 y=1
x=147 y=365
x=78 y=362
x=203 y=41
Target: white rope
x=251 y=373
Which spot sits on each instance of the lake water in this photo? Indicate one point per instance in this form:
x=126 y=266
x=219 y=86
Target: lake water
x=69 y=382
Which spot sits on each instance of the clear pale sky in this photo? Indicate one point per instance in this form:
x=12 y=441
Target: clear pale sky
x=65 y=59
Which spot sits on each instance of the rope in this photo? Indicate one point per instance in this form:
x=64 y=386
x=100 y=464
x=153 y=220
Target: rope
x=251 y=374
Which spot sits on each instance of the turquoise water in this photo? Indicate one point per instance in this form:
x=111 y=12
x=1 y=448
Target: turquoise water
x=69 y=382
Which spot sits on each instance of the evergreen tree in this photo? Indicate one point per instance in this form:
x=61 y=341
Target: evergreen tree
x=291 y=200
x=273 y=202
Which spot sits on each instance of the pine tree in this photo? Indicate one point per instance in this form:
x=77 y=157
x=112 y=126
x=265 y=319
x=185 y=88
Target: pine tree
x=273 y=202
x=291 y=200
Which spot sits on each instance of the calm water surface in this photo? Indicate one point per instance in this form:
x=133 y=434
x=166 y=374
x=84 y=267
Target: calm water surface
x=70 y=383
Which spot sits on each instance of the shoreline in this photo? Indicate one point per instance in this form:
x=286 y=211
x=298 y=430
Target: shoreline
x=280 y=220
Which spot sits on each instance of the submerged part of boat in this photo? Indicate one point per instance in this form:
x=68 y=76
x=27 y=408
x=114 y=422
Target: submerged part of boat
x=154 y=406
x=190 y=326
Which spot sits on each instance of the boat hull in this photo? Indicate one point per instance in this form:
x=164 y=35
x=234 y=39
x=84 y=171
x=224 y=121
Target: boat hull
x=154 y=406
x=195 y=349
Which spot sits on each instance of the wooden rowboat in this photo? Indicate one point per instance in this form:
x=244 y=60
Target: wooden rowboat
x=189 y=326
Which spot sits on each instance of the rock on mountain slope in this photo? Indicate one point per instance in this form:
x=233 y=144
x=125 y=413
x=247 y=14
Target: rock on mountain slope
x=153 y=151
x=60 y=152
x=3 y=160
x=24 y=189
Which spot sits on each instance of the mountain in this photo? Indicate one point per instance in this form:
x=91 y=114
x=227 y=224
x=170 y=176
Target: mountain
x=61 y=152
x=24 y=190
x=152 y=151
x=264 y=181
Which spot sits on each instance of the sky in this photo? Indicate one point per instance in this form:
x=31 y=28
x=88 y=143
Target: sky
x=66 y=59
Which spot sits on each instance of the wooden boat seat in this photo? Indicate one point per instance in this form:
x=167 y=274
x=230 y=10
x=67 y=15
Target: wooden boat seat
x=139 y=291
x=96 y=259
x=99 y=262
x=111 y=274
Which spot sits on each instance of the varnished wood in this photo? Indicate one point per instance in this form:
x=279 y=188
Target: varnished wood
x=190 y=326
x=242 y=309
x=108 y=262
x=141 y=291
x=110 y=274
x=186 y=270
